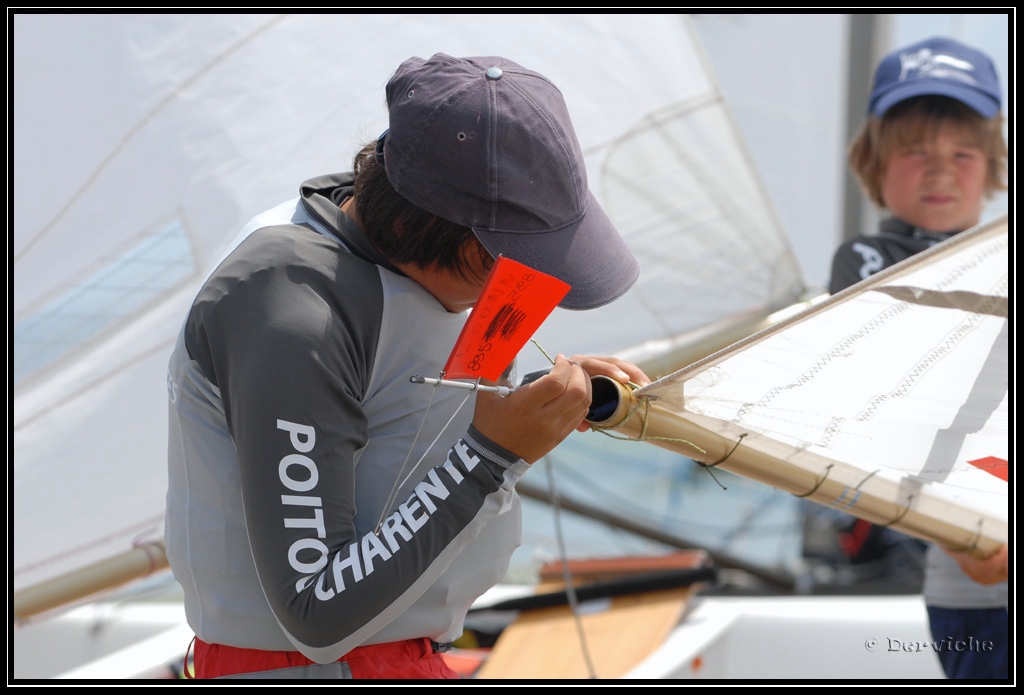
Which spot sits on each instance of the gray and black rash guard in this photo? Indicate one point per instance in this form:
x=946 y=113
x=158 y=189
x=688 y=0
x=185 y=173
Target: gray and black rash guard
x=318 y=500
x=858 y=258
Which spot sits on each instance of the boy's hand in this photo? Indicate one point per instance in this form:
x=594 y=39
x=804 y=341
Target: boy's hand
x=536 y=417
x=991 y=570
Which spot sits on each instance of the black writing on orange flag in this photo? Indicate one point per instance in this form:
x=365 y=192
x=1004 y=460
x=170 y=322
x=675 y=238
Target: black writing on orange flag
x=514 y=302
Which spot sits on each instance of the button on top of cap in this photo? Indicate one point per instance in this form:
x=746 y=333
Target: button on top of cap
x=494 y=73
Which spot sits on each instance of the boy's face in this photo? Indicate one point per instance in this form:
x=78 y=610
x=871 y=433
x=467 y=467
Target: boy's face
x=938 y=184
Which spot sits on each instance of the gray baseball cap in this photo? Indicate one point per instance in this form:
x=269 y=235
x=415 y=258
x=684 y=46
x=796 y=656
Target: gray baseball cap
x=488 y=144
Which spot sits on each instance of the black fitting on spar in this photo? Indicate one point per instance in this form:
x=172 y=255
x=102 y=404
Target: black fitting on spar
x=606 y=397
x=610 y=402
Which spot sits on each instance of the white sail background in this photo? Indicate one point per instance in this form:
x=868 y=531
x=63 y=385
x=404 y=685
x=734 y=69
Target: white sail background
x=887 y=400
x=142 y=143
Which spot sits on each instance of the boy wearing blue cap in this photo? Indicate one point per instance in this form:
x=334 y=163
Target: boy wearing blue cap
x=930 y=154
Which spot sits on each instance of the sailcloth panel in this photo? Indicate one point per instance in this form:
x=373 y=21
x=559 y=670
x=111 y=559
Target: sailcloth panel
x=889 y=400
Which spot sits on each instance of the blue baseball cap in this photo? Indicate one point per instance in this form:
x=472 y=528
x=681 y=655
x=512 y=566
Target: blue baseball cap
x=937 y=66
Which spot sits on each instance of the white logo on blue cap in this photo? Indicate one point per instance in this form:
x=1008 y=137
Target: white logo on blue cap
x=924 y=63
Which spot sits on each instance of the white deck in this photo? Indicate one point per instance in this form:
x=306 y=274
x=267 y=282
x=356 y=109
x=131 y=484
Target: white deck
x=722 y=638
x=847 y=637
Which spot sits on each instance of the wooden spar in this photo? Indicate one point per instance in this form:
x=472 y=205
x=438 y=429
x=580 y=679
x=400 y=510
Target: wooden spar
x=816 y=478
x=139 y=562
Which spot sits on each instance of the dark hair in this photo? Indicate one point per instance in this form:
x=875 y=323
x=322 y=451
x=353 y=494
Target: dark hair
x=405 y=233
x=907 y=123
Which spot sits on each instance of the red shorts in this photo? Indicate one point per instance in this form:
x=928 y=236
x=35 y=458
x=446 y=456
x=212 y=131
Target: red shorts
x=413 y=658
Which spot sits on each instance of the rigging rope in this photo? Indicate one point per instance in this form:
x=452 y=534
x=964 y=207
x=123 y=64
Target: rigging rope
x=570 y=589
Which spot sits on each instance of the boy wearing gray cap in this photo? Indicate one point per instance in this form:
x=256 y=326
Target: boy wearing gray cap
x=931 y=153
x=326 y=517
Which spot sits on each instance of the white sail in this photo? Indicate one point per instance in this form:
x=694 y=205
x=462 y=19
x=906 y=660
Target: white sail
x=142 y=144
x=889 y=400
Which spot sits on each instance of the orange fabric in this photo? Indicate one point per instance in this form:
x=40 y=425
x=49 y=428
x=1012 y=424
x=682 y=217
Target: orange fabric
x=513 y=304
x=414 y=658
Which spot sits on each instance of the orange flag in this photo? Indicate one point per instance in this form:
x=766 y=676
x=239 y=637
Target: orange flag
x=513 y=304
